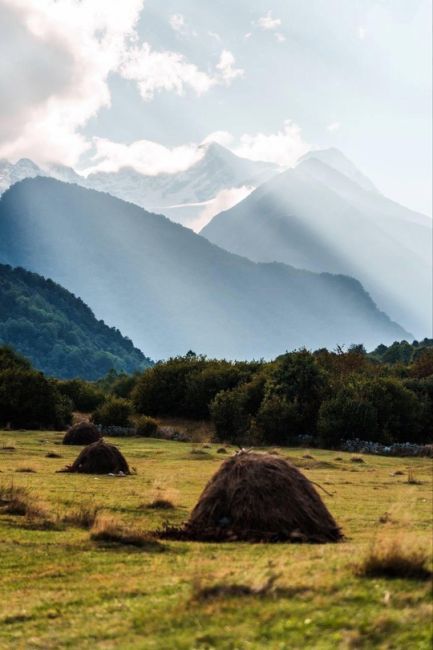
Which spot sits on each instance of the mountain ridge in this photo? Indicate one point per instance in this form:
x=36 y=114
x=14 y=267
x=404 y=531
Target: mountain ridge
x=171 y=290
x=314 y=217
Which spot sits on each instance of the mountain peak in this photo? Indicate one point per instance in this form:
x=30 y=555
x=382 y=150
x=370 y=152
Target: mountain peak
x=335 y=159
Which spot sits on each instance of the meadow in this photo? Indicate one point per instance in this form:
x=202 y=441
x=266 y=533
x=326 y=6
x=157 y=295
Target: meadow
x=59 y=588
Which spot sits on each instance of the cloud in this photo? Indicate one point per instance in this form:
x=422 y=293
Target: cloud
x=283 y=148
x=224 y=200
x=334 y=126
x=147 y=157
x=226 y=67
x=216 y=36
x=362 y=33
x=224 y=138
x=170 y=71
x=267 y=22
x=54 y=78
x=177 y=22
x=60 y=55
x=280 y=37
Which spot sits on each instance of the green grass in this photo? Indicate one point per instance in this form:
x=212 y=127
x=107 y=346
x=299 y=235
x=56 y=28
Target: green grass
x=60 y=589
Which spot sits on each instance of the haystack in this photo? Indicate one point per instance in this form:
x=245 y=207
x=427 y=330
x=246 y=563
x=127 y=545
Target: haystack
x=259 y=497
x=83 y=433
x=99 y=458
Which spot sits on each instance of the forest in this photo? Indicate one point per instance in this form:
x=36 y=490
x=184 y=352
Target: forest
x=317 y=398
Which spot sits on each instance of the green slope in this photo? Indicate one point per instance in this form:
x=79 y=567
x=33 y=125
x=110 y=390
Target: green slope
x=57 y=331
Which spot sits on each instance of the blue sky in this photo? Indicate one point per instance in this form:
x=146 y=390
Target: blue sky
x=144 y=83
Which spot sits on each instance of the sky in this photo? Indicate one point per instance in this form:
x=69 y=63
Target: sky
x=101 y=84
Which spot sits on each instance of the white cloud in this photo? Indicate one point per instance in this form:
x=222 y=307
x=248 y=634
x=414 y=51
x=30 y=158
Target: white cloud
x=170 y=71
x=224 y=138
x=334 y=126
x=224 y=200
x=280 y=37
x=216 y=36
x=177 y=22
x=267 y=22
x=54 y=78
x=283 y=148
x=226 y=67
x=362 y=33
x=155 y=71
x=248 y=35
x=147 y=157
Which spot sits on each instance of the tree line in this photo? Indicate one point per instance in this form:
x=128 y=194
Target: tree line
x=321 y=397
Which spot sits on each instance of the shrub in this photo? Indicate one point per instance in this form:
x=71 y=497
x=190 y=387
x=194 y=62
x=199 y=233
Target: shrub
x=85 y=396
x=390 y=558
x=346 y=416
x=115 y=412
x=146 y=426
x=29 y=401
x=84 y=516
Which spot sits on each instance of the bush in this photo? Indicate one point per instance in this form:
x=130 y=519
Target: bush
x=85 y=396
x=346 y=416
x=115 y=412
x=29 y=401
x=185 y=386
x=278 y=421
x=146 y=426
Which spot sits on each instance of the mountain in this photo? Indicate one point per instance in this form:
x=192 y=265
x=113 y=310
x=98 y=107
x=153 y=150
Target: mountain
x=171 y=290
x=57 y=331
x=13 y=173
x=183 y=196
x=325 y=216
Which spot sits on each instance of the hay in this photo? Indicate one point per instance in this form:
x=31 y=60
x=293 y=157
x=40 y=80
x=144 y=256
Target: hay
x=258 y=497
x=99 y=458
x=83 y=433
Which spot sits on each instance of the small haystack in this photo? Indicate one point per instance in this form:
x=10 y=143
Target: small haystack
x=83 y=433
x=258 y=498
x=99 y=458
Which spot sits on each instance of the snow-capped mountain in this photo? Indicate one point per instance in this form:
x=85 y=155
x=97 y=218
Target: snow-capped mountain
x=171 y=290
x=12 y=173
x=217 y=181
x=325 y=215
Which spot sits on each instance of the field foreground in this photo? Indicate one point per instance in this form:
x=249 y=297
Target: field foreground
x=61 y=589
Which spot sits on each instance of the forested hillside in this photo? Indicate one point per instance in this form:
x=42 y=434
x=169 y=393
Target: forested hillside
x=57 y=331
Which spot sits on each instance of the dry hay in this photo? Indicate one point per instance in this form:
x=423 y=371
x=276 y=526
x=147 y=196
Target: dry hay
x=258 y=497
x=83 y=433
x=99 y=458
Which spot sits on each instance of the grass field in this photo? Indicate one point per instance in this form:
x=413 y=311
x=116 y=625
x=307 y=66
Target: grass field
x=60 y=589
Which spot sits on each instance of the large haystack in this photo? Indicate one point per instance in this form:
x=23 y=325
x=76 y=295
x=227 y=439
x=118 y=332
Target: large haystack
x=259 y=497
x=99 y=458
x=83 y=433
